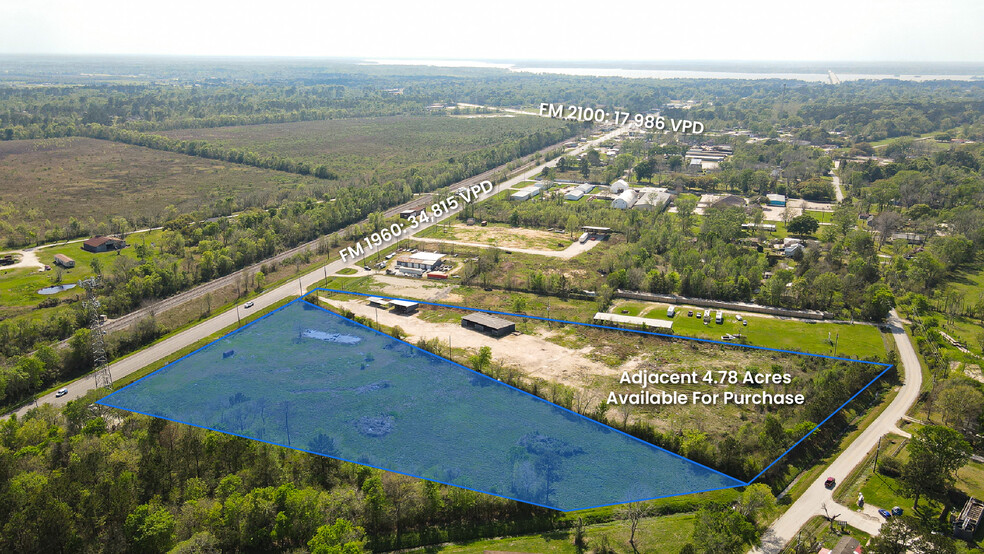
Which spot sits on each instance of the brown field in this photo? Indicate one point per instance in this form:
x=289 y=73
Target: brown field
x=380 y=146
x=56 y=179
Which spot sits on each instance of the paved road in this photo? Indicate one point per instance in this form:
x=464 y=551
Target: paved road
x=812 y=501
x=837 y=183
x=215 y=324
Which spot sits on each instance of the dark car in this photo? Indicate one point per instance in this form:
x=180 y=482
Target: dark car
x=830 y=482
x=896 y=511
x=884 y=513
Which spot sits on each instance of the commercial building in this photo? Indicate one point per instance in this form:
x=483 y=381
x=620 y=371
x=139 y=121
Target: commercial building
x=573 y=195
x=633 y=322
x=653 y=199
x=525 y=194
x=426 y=261
x=103 y=244
x=776 y=199
x=488 y=324
x=64 y=261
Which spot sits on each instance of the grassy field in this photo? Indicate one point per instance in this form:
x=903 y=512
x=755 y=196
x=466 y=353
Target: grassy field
x=56 y=179
x=787 y=334
x=380 y=146
x=657 y=534
x=18 y=287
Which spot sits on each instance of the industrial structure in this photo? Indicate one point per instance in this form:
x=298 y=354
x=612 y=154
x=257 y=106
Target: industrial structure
x=102 y=376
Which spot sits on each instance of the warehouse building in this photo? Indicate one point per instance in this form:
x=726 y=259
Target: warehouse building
x=776 y=199
x=103 y=244
x=525 y=194
x=488 y=324
x=426 y=261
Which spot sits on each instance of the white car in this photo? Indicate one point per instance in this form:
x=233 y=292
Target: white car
x=61 y=392
x=248 y=305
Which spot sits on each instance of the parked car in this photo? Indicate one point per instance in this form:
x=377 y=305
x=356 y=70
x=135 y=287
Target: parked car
x=690 y=313
x=744 y=322
x=738 y=317
x=897 y=511
x=884 y=513
x=61 y=393
x=248 y=305
x=830 y=482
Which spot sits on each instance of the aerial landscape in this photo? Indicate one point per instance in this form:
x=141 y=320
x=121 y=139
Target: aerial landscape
x=458 y=285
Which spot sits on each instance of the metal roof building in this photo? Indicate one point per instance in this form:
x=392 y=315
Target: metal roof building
x=488 y=323
x=619 y=320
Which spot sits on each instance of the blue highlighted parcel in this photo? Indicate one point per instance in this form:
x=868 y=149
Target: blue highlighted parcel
x=306 y=378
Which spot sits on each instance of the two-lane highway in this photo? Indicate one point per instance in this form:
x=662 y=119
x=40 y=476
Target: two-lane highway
x=190 y=336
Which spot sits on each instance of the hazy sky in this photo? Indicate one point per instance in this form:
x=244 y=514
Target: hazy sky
x=882 y=30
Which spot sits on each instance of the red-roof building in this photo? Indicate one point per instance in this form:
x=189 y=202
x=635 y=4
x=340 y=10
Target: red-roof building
x=103 y=244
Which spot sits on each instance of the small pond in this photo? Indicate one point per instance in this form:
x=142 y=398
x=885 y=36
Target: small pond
x=56 y=289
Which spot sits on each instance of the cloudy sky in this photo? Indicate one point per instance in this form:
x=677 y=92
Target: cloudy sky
x=854 y=30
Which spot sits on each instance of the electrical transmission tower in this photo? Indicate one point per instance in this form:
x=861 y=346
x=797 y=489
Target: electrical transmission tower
x=91 y=304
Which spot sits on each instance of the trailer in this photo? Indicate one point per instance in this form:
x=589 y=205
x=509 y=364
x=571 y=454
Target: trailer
x=719 y=318
x=671 y=311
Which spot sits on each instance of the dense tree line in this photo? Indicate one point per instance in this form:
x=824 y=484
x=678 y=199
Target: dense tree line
x=87 y=479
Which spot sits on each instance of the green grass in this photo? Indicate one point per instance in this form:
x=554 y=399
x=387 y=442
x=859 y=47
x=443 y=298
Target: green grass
x=658 y=534
x=854 y=340
x=821 y=216
x=18 y=287
x=347 y=271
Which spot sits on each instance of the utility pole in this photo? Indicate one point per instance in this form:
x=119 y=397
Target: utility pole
x=877 y=450
x=239 y=319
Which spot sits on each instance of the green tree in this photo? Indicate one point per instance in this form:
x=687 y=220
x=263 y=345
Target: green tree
x=720 y=530
x=150 y=529
x=935 y=454
x=804 y=224
x=341 y=537
x=644 y=170
x=878 y=302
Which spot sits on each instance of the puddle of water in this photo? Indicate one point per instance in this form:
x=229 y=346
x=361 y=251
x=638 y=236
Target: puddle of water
x=56 y=289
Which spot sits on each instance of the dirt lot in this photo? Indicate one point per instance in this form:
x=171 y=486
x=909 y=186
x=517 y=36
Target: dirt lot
x=505 y=237
x=537 y=356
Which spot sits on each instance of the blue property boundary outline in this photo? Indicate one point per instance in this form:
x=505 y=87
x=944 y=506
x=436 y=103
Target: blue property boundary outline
x=739 y=483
